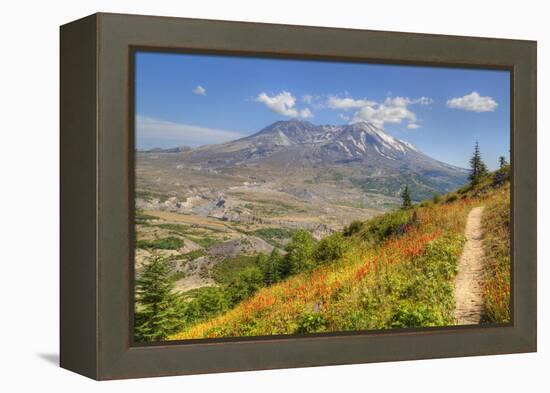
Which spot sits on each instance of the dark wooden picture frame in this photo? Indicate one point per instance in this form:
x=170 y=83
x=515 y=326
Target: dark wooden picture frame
x=97 y=196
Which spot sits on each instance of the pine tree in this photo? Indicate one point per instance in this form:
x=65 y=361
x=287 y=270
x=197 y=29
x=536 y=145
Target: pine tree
x=503 y=172
x=299 y=252
x=502 y=162
x=406 y=197
x=478 y=167
x=157 y=308
x=272 y=268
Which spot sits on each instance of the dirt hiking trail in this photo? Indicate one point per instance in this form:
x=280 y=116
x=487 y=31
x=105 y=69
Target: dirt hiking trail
x=469 y=280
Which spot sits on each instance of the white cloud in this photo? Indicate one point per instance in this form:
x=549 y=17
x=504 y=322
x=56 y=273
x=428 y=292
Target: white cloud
x=305 y=113
x=161 y=133
x=404 y=101
x=314 y=101
x=346 y=103
x=307 y=98
x=423 y=101
x=392 y=110
x=473 y=102
x=343 y=117
x=398 y=101
x=284 y=104
x=199 y=90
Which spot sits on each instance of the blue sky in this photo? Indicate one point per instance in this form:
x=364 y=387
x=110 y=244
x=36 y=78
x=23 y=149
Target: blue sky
x=184 y=99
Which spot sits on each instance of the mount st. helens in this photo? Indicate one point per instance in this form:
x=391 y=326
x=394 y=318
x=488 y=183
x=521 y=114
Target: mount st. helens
x=285 y=144
x=358 y=155
x=290 y=175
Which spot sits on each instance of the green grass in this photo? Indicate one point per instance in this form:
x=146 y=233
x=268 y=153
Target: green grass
x=186 y=229
x=204 y=241
x=269 y=207
x=451 y=198
x=355 y=204
x=149 y=196
x=177 y=276
x=193 y=255
x=496 y=240
x=420 y=188
x=199 y=236
x=229 y=268
x=274 y=236
x=142 y=218
x=167 y=243
x=421 y=291
x=381 y=227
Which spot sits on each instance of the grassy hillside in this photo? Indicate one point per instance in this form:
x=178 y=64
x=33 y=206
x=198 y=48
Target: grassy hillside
x=496 y=225
x=396 y=270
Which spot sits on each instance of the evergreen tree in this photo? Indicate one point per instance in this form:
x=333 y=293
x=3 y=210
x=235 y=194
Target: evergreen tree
x=299 y=256
x=272 y=269
x=245 y=284
x=478 y=167
x=330 y=248
x=503 y=172
x=406 y=197
x=207 y=303
x=502 y=162
x=158 y=308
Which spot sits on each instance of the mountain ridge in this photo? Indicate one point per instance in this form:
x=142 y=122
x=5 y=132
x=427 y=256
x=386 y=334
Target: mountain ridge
x=373 y=158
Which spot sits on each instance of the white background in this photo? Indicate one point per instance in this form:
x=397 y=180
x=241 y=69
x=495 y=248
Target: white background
x=29 y=168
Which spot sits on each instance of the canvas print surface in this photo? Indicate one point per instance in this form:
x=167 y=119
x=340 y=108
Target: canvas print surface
x=285 y=196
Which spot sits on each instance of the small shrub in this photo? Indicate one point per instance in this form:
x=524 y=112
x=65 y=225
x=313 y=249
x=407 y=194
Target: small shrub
x=311 y=322
x=206 y=302
x=142 y=218
x=167 y=243
x=177 y=276
x=436 y=198
x=390 y=224
x=204 y=241
x=410 y=314
x=354 y=227
x=330 y=248
x=274 y=236
x=244 y=285
x=451 y=198
x=228 y=269
x=193 y=254
x=425 y=203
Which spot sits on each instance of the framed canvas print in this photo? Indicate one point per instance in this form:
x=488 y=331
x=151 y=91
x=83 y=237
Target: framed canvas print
x=240 y=196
